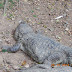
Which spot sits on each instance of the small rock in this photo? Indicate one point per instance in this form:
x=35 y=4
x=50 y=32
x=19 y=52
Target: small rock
x=51 y=29
x=65 y=24
x=7 y=41
x=44 y=26
x=45 y=31
x=20 y=21
x=15 y=67
x=27 y=66
x=25 y=0
x=58 y=37
x=57 y=21
x=0 y=40
x=38 y=8
x=13 y=18
x=67 y=29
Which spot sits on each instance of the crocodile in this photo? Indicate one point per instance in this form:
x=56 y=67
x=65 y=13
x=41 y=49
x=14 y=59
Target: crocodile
x=40 y=48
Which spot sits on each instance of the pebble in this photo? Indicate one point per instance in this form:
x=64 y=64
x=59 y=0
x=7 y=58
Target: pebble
x=58 y=37
x=45 y=31
x=51 y=29
x=25 y=0
x=27 y=66
x=0 y=40
x=57 y=21
x=67 y=29
x=13 y=18
x=16 y=67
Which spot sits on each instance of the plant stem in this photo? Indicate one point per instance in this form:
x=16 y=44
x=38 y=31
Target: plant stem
x=5 y=6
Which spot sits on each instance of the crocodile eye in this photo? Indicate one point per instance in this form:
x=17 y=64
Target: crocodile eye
x=17 y=36
x=20 y=38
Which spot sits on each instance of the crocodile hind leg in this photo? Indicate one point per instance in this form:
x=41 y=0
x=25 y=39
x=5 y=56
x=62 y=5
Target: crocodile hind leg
x=55 y=58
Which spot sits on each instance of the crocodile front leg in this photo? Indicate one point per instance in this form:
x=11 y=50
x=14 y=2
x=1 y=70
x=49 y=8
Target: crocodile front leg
x=14 y=48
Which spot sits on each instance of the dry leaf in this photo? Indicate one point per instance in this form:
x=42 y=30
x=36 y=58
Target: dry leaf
x=23 y=63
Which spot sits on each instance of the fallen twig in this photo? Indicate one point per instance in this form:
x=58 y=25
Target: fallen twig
x=60 y=16
x=5 y=6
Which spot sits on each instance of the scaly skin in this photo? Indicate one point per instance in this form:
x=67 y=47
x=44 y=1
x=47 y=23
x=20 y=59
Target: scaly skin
x=41 y=48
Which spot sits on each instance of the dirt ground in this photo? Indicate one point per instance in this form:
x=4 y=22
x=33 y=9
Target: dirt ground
x=52 y=18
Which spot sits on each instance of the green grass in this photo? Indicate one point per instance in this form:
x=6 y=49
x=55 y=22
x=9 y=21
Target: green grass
x=1 y=5
x=11 y=1
x=11 y=4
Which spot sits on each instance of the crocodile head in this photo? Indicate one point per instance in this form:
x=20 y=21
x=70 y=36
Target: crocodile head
x=22 y=30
